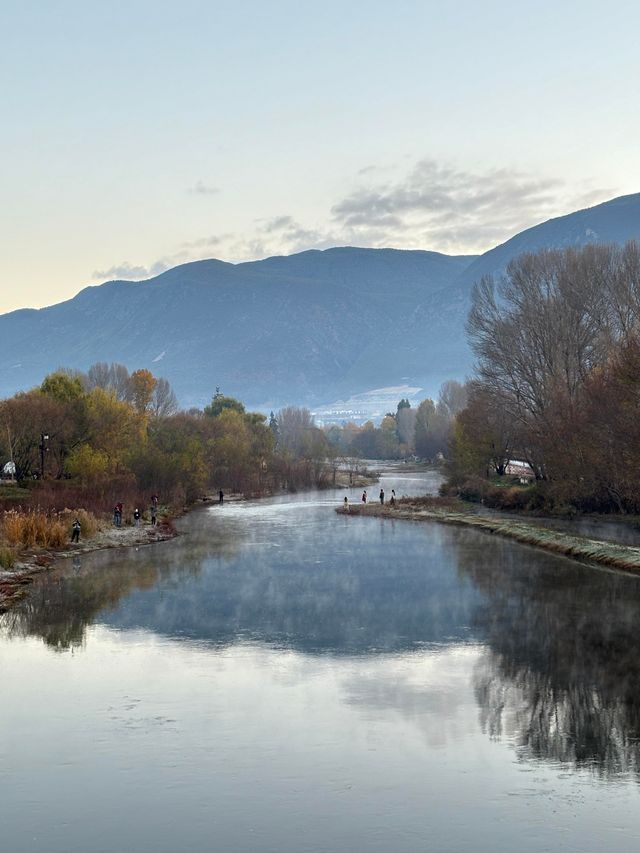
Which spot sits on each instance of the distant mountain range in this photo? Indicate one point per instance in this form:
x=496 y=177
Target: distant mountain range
x=306 y=329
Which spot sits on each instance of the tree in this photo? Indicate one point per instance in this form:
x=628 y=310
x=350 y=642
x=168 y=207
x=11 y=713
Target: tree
x=87 y=464
x=220 y=403
x=143 y=384
x=110 y=377
x=24 y=419
x=163 y=400
x=426 y=445
x=482 y=437
x=114 y=426
x=452 y=398
x=273 y=426
x=406 y=425
x=294 y=428
x=540 y=330
x=62 y=387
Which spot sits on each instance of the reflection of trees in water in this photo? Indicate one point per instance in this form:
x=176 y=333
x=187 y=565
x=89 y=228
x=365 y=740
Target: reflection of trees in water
x=561 y=674
x=368 y=600
x=61 y=604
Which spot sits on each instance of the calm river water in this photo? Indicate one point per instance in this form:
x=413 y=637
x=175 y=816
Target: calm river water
x=286 y=679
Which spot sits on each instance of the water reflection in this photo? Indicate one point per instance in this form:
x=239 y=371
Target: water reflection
x=357 y=588
x=560 y=671
x=63 y=603
x=555 y=646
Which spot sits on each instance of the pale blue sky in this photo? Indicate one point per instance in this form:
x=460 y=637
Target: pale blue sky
x=136 y=135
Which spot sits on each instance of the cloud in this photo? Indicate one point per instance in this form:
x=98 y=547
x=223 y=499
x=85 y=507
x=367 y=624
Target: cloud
x=436 y=206
x=137 y=272
x=429 y=205
x=200 y=188
x=432 y=206
x=124 y=270
x=204 y=242
x=279 y=223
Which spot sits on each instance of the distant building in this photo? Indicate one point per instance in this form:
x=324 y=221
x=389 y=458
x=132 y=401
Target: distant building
x=522 y=470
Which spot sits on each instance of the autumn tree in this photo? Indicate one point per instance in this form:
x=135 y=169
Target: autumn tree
x=143 y=384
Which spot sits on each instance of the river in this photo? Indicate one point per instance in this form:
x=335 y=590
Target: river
x=283 y=678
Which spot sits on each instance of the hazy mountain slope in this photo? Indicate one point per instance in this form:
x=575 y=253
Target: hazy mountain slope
x=293 y=328
x=614 y=221
x=308 y=328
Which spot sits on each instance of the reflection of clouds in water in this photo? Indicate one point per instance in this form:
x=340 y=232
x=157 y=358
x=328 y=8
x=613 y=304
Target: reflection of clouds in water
x=428 y=689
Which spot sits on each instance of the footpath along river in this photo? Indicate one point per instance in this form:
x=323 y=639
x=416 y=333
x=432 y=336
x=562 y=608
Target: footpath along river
x=283 y=678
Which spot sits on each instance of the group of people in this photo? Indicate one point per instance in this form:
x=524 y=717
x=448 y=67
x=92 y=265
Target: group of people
x=392 y=501
x=137 y=515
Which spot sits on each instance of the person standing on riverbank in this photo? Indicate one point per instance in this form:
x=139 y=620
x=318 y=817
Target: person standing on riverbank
x=117 y=515
x=382 y=496
x=136 y=517
x=393 y=497
x=220 y=497
x=154 y=515
x=364 y=497
x=346 y=504
x=75 y=531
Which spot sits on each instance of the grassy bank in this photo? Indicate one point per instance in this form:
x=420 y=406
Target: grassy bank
x=31 y=542
x=451 y=511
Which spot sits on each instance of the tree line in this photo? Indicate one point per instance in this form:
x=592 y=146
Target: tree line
x=557 y=381
x=423 y=431
x=90 y=439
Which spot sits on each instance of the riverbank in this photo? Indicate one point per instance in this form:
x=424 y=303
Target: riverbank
x=14 y=582
x=601 y=552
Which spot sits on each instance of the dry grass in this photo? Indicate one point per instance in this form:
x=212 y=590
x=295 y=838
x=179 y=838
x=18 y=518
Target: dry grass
x=7 y=557
x=430 y=502
x=30 y=528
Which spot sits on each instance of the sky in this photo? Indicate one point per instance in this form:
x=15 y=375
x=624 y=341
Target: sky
x=139 y=135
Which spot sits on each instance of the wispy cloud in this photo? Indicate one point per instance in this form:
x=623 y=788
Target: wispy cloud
x=430 y=205
x=200 y=188
x=206 y=242
x=125 y=270
x=137 y=272
x=437 y=206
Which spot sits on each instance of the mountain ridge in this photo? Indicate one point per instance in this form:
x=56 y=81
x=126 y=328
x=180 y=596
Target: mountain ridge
x=303 y=328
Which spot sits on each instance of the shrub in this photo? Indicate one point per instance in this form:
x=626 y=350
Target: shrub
x=473 y=489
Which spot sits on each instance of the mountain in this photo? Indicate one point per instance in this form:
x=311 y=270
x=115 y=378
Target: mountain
x=615 y=221
x=303 y=328
x=307 y=329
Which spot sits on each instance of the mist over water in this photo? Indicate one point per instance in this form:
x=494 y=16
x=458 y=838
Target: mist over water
x=282 y=678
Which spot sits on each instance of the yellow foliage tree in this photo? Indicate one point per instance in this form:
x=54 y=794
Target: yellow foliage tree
x=88 y=464
x=115 y=426
x=143 y=384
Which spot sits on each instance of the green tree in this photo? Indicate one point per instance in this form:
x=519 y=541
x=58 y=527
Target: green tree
x=220 y=404
x=62 y=387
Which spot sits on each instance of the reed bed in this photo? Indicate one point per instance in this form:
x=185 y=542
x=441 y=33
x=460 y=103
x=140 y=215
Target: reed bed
x=34 y=527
